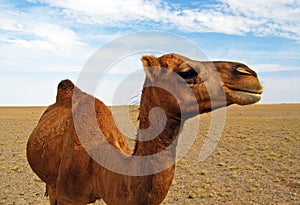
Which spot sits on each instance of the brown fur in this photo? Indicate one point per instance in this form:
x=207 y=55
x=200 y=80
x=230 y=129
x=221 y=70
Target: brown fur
x=57 y=156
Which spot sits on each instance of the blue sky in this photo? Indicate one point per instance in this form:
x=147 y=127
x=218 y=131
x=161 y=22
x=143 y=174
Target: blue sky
x=43 y=41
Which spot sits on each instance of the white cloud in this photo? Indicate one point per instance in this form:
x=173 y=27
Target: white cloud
x=269 y=17
x=278 y=18
x=215 y=21
x=32 y=41
x=56 y=39
x=42 y=35
x=107 y=12
x=268 y=9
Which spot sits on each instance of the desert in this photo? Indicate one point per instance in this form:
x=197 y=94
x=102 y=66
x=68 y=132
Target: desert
x=255 y=162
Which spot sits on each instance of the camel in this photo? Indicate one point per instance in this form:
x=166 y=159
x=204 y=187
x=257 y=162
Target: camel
x=57 y=155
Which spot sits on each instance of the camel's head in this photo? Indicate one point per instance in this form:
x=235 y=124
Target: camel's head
x=224 y=83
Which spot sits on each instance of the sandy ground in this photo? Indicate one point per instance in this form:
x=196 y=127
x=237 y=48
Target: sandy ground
x=257 y=160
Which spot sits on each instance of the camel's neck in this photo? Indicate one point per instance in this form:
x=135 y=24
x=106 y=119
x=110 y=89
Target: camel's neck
x=153 y=139
x=158 y=128
x=156 y=140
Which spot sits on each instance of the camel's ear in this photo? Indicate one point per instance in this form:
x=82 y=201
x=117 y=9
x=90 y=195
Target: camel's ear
x=151 y=67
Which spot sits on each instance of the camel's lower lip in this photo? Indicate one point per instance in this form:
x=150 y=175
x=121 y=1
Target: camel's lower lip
x=254 y=92
x=248 y=94
x=243 y=96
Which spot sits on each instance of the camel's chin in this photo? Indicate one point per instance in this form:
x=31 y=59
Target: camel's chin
x=241 y=97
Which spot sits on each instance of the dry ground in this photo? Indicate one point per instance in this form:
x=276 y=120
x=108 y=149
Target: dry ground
x=257 y=160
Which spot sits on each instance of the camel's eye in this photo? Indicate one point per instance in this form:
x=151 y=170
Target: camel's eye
x=188 y=74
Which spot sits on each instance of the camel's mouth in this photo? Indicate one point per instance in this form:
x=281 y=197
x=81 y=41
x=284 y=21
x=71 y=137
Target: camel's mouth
x=243 y=96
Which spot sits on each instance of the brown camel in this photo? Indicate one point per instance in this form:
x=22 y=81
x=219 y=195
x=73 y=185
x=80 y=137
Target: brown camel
x=56 y=153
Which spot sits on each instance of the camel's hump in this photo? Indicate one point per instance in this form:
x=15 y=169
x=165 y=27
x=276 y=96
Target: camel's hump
x=65 y=92
x=66 y=84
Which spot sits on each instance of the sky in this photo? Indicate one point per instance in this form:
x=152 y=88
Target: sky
x=45 y=41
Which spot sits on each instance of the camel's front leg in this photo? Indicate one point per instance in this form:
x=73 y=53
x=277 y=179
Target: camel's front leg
x=52 y=195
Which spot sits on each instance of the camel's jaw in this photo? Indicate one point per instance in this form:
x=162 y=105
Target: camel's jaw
x=243 y=96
